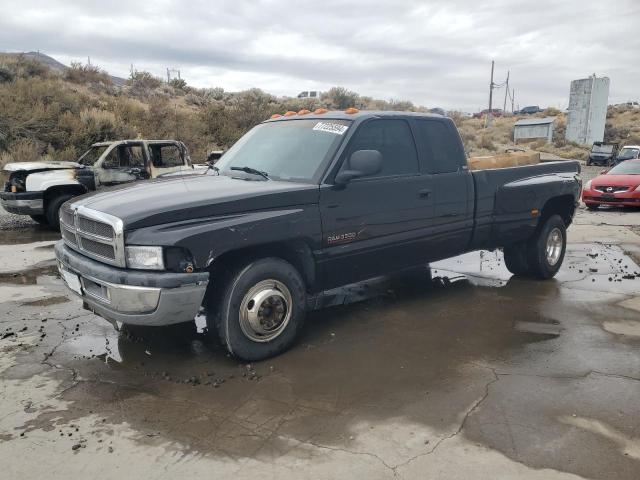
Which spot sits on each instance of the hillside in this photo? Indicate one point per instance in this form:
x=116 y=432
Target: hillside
x=55 y=111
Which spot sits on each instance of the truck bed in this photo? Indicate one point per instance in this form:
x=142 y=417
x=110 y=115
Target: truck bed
x=507 y=199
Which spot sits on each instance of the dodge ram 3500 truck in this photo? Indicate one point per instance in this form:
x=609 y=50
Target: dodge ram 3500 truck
x=39 y=188
x=299 y=205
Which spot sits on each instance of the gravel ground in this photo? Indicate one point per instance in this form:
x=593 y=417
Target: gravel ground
x=9 y=221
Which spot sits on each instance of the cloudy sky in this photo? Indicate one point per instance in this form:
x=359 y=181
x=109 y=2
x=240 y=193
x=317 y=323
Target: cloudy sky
x=434 y=53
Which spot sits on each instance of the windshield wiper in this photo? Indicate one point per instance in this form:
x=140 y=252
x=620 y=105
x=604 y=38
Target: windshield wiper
x=253 y=171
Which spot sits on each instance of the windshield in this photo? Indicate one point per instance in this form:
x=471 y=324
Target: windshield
x=602 y=149
x=92 y=155
x=293 y=150
x=627 y=153
x=626 y=168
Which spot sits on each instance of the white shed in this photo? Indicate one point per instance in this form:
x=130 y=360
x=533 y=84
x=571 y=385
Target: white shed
x=532 y=128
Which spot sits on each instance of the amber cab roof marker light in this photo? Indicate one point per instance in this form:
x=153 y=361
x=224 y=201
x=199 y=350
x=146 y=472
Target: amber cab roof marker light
x=276 y=115
x=304 y=111
x=351 y=110
x=290 y=113
x=320 y=111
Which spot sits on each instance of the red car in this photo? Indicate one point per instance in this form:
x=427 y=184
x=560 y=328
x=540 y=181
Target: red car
x=618 y=186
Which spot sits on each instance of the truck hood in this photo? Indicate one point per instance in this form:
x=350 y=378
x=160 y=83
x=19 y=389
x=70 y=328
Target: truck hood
x=39 y=166
x=167 y=200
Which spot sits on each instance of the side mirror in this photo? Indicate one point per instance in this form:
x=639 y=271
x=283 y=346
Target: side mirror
x=361 y=163
x=214 y=156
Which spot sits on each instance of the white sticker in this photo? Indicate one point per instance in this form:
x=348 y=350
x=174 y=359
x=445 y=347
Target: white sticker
x=331 y=128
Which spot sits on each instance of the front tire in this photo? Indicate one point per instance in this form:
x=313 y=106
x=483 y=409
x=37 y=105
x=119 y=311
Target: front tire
x=53 y=208
x=41 y=219
x=260 y=310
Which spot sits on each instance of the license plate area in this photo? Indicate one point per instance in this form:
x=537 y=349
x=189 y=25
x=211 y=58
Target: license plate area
x=72 y=280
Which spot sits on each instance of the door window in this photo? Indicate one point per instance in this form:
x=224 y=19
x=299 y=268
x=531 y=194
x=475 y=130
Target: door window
x=166 y=156
x=135 y=156
x=111 y=160
x=440 y=149
x=393 y=139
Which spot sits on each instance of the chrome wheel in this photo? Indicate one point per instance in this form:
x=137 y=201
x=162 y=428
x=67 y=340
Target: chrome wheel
x=265 y=310
x=554 y=246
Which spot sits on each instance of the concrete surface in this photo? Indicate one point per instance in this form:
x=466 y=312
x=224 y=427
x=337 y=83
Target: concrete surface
x=470 y=375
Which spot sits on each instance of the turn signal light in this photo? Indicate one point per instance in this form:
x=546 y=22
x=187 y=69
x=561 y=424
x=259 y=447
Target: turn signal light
x=304 y=111
x=351 y=110
x=14 y=189
x=276 y=115
x=290 y=113
x=320 y=111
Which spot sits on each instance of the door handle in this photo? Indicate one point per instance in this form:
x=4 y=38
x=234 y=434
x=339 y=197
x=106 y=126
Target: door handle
x=424 y=193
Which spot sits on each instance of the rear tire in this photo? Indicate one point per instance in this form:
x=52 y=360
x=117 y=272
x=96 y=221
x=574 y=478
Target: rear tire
x=53 y=208
x=545 y=251
x=41 y=219
x=260 y=310
x=515 y=259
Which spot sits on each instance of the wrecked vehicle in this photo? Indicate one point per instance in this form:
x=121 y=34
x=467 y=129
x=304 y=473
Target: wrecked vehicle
x=628 y=152
x=301 y=204
x=38 y=189
x=602 y=154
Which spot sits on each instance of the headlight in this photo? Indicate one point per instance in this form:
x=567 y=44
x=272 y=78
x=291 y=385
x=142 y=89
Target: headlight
x=146 y=258
x=587 y=186
x=637 y=189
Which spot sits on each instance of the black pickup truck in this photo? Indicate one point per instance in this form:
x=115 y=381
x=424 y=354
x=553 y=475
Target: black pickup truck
x=301 y=204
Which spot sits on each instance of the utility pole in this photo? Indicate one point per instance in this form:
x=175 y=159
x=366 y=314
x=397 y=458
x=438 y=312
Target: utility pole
x=513 y=100
x=491 y=86
x=506 y=92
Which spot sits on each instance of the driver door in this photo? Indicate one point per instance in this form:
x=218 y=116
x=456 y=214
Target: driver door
x=376 y=224
x=122 y=164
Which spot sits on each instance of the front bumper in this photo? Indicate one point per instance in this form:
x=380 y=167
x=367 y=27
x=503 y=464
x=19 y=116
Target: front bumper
x=132 y=297
x=594 y=197
x=23 y=203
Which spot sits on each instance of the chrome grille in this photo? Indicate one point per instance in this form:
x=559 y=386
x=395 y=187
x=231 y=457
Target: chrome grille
x=97 y=248
x=95 y=234
x=66 y=217
x=69 y=236
x=93 y=227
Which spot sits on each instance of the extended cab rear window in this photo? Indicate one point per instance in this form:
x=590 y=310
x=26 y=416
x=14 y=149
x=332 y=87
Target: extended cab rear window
x=440 y=146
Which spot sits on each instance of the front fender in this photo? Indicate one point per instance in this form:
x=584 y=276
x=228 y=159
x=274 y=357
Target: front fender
x=41 y=181
x=209 y=238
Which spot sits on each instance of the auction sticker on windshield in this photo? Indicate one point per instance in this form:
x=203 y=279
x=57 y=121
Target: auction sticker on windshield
x=331 y=128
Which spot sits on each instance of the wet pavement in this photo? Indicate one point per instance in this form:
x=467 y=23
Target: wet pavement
x=467 y=373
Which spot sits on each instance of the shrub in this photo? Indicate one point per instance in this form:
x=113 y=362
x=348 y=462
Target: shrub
x=178 y=83
x=21 y=151
x=86 y=74
x=144 y=81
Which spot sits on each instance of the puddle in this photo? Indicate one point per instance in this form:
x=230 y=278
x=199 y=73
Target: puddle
x=27 y=235
x=407 y=350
